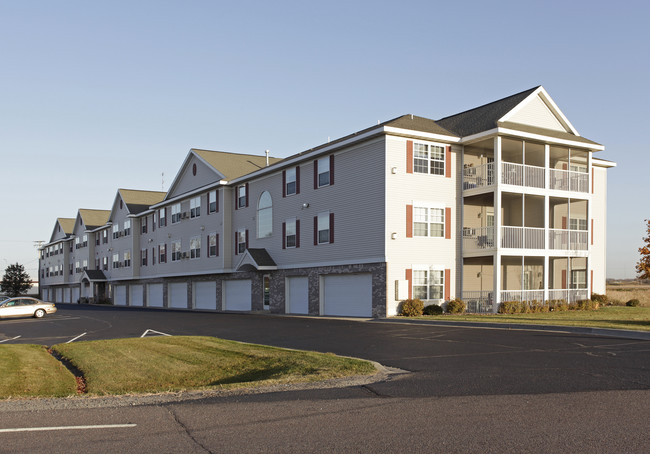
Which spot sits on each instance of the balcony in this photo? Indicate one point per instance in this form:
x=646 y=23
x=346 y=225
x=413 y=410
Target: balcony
x=483 y=301
x=567 y=180
x=570 y=240
x=479 y=176
x=522 y=175
x=482 y=238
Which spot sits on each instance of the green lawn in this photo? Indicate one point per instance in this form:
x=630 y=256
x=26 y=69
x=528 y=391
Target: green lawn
x=159 y=364
x=30 y=371
x=616 y=317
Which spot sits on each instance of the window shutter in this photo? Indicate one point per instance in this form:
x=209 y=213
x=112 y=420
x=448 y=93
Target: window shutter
x=447 y=284
x=331 y=170
x=409 y=221
x=409 y=278
x=315 y=173
x=331 y=227
x=217 y=249
x=448 y=161
x=447 y=223
x=284 y=183
x=563 y=222
x=246 y=195
x=592 y=232
x=246 y=238
x=297 y=179
x=297 y=233
x=284 y=235
x=236 y=197
x=236 y=245
x=409 y=157
x=564 y=279
x=216 y=199
x=315 y=230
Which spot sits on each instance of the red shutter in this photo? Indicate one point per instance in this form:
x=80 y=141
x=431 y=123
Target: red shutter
x=236 y=245
x=448 y=161
x=564 y=166
x=315 y=230
x=447 y=284
x=447 y=223
x=246 y=195
x=216 y=252
x=564 y=279
x=331 y=170
x=236 y=197
x=297 y=179
x=246 y=238
x=563 y=222
x=409 y=278
x=284 y=235
x=409 y=221
x=284 y=183
x=297 y=233
x=331 y=227
x=316 y=174
x=409 y=156
x=216 y=199
x=592 y=180
x=592 y=232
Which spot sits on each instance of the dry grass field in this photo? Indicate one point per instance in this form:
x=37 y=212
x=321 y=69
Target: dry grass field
x=625 y=291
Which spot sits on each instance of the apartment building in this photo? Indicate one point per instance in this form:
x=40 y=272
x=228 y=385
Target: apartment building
x=502 y=202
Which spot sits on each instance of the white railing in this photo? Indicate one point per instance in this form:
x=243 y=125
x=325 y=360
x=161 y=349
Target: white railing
x=479 y=301
x=522 y=175
x=479 y=176
x=573 y=240
x=522 y=237
x=522 y=295
x=568 y=295
x=478 y=238
x=567 y=180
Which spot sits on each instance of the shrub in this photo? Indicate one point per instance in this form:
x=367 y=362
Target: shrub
x=598 y=298
x=558 y=305
x=412 y=308
x=536 y=306
x=432 y=309
x=633 y=303
x=456 y=306
x=509 y=307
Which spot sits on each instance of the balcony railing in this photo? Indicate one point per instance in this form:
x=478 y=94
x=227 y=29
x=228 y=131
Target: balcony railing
x=478 y=177
x=478 y=238
x=568 y=180
x=571 y=240
x=522 y=237
x=569 y=295
x=479 y=301
x=522 y=175
x=522 y=295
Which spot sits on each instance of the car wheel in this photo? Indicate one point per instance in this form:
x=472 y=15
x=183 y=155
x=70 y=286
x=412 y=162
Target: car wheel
x=39 y=313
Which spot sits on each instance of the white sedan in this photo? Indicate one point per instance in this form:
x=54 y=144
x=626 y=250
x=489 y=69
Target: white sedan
x=23 y=306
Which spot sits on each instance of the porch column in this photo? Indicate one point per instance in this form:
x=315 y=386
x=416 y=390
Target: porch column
x=496 y=259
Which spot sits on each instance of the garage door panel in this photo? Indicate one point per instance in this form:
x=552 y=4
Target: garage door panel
x=155 y=295
x=120 y=295
x=177 y=293
x=205 y=295
x=237 y=295
x=297 y=295
x=347 y=295
x=136 y=296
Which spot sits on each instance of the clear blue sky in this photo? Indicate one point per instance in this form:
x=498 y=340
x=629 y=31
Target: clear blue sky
x=101 y=95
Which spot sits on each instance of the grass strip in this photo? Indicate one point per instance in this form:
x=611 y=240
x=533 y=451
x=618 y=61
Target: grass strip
x=30 y=371
x=161 y=364
x=613 y=317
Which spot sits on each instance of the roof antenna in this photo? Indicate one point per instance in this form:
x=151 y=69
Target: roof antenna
x=162 y=182
x=411 y=116
x=267 y=157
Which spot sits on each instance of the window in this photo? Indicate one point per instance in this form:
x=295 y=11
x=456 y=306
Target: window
x=265 y=216
x=291 y=181
x=162 y=253
x=324 y=228
x=291 y=233
x=428 y=159
x=84 y=241
x=428 y=284
x=242 y=196
x=195 y=247
x=77 y=267
x=84 y=264
x=143 y=257
x=176 y=250
x=77 y=243
x=176 y=213
x=116 y=260
x=428 y=222
x=577 y=224
x=104 y=236
x=241 y=241
x=195 y=207
x=162 y=219
x=105 y=263
x=70 y=271
x=213 y=248
x=127 y=258
x=127 y=227
x=212 y=202
x=323 y=171
x=578 y=279
x=143 y=223
x=267 y=291
x=116 y=231
x=96 y=240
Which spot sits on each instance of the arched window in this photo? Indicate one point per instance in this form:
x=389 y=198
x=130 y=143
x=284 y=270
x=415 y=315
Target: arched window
x=264 y=216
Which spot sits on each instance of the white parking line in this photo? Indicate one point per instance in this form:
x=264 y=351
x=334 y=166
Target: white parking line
x=154 y=331
x=72 y=340
x=13 y=338
x=40 y=429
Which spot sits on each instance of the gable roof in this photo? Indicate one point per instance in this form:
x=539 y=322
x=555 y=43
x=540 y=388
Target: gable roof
x=485 y=117
x=94 y=218
x=233 y=165
x=67 y=225
x=415 y=123
x=138 y=201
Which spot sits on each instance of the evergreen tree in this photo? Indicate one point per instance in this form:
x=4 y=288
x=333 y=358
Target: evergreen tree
x=16 y=281
x=643 y=267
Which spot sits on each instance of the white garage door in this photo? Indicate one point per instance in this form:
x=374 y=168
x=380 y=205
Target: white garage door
x=136 y=295
x=177 y=295
x=75 y=294
x=297 y=298
x=59 y=295
x=155 y=295
x=205 y=295
x=120 y=295
x=237 y=295
x=66 y=295
x=348 y=295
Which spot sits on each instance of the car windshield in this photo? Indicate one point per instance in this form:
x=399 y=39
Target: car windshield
x=2 y=303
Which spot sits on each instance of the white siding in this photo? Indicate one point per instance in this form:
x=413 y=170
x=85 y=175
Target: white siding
x=536 y=113
x=599 y=215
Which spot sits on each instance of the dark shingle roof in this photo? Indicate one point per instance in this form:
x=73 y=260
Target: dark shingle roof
x=482 y=118
x=95 y=275
x=416 y=123
x=261 y=257
x=546 y=132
